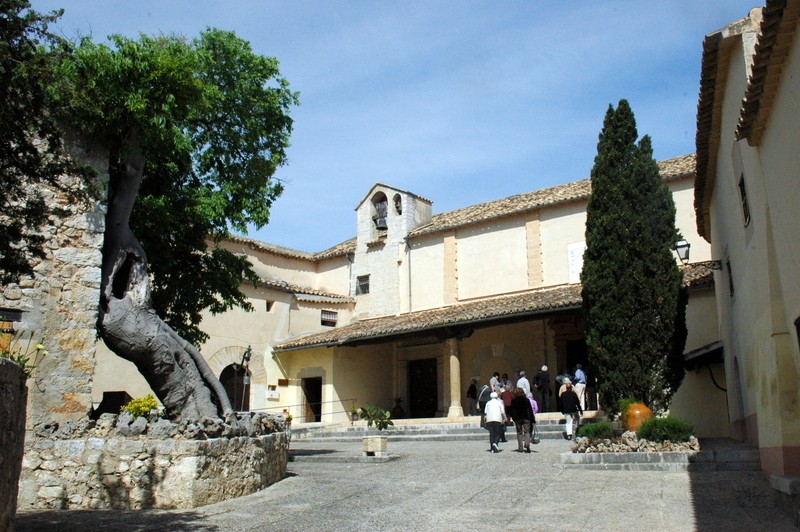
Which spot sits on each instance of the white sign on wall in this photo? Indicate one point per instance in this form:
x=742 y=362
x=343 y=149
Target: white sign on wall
x=575 y=258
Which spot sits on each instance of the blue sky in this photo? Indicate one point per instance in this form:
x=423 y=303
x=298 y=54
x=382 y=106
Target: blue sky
x=458 y=101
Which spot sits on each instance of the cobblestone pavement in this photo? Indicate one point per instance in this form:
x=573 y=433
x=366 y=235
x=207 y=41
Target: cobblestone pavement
x=460 y=486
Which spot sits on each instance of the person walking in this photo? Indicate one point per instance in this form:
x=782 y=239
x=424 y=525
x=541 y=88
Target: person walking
x=580 y=385
x=506 y=396
x=494 y=382
x=524 y=383
x=472 y=397
x=542 y=383
x=495 y=417
x=571 y=408
x=522 y=414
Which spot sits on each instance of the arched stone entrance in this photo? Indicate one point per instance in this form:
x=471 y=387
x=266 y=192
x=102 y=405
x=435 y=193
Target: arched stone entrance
x=236 y=381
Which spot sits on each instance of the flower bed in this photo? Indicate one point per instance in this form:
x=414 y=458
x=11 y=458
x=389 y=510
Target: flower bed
x=629 y=443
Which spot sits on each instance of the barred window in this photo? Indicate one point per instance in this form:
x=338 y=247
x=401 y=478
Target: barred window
x=329 y=318
x=362 y=284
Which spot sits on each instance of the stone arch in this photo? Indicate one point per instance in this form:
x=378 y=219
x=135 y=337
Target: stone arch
x=497 y=357
x=380 y=210
x=233 y=355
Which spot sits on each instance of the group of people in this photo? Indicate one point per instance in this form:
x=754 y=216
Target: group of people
x=503 y=402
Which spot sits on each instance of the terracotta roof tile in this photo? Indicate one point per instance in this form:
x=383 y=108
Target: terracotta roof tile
x=670 y=169
x=533 y=302
x=348 y=246
x=713 y=77
x=775 y=37
x=296 y=289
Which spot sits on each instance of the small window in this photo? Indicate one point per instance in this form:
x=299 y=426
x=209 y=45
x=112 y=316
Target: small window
x=743 y=197
x=329 y=318
x=270 y=305
x=362 y=284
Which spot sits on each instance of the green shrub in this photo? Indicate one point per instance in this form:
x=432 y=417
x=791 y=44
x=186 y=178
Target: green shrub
x=625 y=402
x=665 y=428
x=376 y=416
x=596 y=431
x=142 y=406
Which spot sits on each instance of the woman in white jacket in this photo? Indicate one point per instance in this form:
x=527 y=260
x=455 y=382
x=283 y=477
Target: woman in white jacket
x=495 y=416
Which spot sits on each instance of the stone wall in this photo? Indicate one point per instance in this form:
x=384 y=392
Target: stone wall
x=12 y=431
x=59 y=302
x=136 y=473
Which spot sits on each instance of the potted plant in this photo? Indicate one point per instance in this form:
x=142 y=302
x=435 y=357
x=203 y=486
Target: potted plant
x=379 y=418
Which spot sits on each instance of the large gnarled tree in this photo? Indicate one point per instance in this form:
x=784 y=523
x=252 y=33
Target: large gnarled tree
x=195 y=132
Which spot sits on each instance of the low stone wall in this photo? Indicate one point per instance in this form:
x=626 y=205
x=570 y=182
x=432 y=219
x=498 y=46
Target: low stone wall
x=13 y=394
x=135 y=473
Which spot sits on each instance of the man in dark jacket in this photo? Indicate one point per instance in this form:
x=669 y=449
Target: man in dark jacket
x=542 y=384
x=522 y=414
x=571 y=407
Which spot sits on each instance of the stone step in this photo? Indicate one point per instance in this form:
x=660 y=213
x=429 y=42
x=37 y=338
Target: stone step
x=699 y=461
x=444 y=432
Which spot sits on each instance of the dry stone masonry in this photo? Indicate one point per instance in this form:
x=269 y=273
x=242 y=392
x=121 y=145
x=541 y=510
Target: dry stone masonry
x=59 y=302
x=126 y=463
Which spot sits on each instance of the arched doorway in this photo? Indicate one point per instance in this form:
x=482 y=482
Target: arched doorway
x=236 y=381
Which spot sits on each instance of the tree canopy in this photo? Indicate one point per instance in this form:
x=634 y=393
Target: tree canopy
x=211 y=118
x=31 y=147
x=631 y=282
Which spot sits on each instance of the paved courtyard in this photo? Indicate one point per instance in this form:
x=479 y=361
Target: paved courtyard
x=460 y=486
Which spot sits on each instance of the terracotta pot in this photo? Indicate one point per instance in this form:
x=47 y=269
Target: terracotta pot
x=635 y=415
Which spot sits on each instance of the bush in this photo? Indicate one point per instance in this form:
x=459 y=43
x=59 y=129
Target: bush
x=142 y=406
x=666 y=428
x=376 y=416
x=624 y=403
x=596 y=431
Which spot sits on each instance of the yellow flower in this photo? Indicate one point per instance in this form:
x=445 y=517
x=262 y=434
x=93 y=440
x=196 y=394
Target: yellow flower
x=39 y=346
x=44 y=352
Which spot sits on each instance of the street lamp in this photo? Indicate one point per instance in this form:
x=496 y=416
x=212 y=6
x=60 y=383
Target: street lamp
x=682 y=249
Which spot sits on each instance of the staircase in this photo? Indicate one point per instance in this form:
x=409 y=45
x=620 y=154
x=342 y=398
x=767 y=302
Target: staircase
x=549 y=426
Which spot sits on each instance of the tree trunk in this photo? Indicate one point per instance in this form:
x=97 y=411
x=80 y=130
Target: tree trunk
x=175 y=370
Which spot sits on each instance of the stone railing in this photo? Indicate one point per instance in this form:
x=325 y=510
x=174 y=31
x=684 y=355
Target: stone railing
x=107 y=469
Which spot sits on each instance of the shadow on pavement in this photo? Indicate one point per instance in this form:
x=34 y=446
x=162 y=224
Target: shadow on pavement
x=116 y=520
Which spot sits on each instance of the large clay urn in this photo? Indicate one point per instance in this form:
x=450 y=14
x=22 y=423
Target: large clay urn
x=635 y=415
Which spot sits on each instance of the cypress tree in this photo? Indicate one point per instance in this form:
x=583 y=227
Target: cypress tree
x=631 y=282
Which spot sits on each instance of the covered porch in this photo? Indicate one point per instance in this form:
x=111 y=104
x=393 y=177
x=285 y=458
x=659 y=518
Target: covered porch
x=420 y=364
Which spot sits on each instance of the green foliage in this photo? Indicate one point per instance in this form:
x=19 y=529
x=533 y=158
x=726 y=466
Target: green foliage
x=376 y=416
x=141 y=406
x=630 y=278
x=665 y=428
x=212 y=120
x=31 y=149
x=596 y=431
x=624 y=402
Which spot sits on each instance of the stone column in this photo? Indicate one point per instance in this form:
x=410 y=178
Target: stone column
x=451 y=348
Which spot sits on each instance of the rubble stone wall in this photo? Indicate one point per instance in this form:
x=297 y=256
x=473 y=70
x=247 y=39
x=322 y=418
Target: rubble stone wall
x=59 y=302
x=136 y=473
